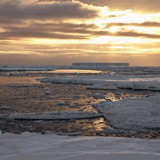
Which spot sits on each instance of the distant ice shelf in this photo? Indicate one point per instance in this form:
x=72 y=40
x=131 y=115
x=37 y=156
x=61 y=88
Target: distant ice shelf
x=100 y=64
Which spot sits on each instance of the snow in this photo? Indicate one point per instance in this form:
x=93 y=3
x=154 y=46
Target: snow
x=31 y=146
x=132 y=113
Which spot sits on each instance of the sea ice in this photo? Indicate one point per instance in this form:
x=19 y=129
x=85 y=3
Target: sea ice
x=109 y=82
x=132 y=113
x=56 y=115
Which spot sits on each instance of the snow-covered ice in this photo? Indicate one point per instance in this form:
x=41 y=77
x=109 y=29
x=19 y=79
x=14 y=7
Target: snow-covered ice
x=31 y=146
x=132 y=113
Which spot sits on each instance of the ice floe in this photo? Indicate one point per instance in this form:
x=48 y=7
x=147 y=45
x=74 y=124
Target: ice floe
x=25 y=85
x=56 y=115
x=109 y=82
x=132 y=113
x=124 y=84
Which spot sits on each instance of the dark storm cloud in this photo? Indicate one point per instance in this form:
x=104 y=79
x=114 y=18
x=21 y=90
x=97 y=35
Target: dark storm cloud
x=141 y=5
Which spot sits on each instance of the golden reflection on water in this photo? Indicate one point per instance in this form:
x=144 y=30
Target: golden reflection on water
x=100 y=124
x=74 y=71
x=111 y=96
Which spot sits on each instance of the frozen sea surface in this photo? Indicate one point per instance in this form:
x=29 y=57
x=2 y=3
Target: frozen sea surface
x=112 y=79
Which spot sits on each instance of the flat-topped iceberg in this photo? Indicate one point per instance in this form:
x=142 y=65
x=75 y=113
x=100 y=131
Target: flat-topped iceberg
x=95 y=64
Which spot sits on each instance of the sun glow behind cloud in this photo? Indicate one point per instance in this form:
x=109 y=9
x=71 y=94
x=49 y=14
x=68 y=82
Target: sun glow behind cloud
x=28 y=28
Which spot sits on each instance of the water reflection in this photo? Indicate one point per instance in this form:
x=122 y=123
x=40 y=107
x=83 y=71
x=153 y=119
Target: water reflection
x=100 y=124
x=74 y=71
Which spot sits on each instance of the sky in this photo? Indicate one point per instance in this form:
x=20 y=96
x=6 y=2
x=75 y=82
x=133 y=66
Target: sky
x=56 y=32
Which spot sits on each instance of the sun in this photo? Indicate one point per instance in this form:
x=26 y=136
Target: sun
x=104 y=12
x=113 y=29
x=98 y=40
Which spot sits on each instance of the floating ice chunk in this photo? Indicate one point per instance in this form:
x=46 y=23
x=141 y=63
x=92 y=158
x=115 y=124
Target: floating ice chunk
x=56 y=115
x=47 y=92
x=109 y=86
x=139 y=85
x=24 y=85
x=124 y=84
x=5 y=107
x=132 y=113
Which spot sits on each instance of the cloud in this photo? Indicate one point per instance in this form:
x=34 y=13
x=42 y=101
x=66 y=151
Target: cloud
x=137 y=34
x=49 y=19
x=140 y=5
x=126 y=34
x=48 y=30
x=20 y=20
x=37 y=34
x=57 y=10
x=144 y=24
x=72 y=31
x=53 y=27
